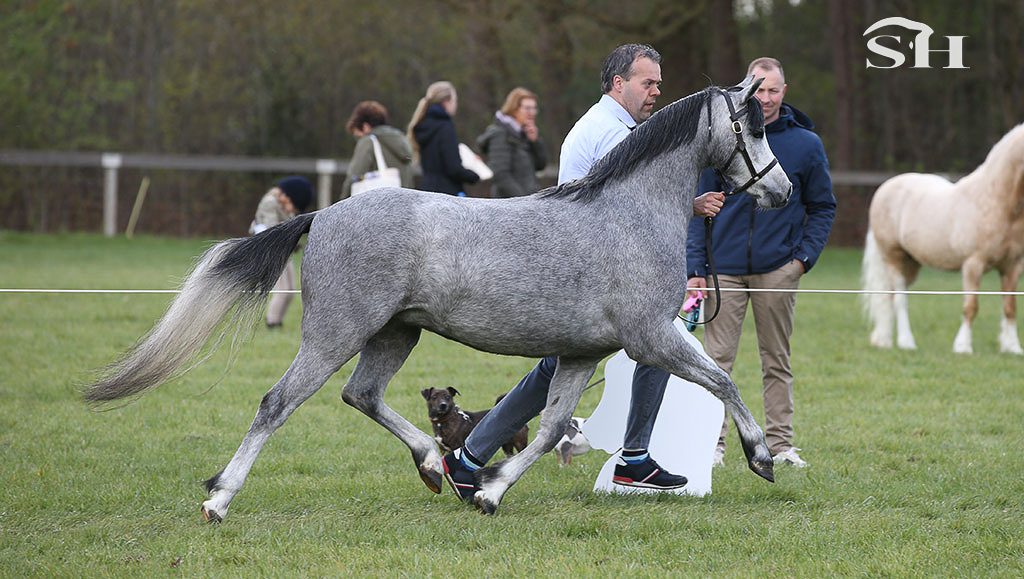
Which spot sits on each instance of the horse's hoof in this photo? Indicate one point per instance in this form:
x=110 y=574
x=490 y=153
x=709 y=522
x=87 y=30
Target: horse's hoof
x=431 y=478
x=763 y=468
x=485 y=505
x=210 y=515
x=881 y=343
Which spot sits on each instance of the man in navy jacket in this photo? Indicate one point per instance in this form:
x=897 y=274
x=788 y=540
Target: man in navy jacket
x=766 y=249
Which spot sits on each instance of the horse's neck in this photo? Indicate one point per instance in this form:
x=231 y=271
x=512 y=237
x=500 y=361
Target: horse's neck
x=997 y=185
x=665 y=187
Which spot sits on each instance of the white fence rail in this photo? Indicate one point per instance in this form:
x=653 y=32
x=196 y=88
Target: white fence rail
x=326 y=169
x=112 y=162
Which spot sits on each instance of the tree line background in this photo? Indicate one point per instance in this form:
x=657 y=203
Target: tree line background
x=280 y=78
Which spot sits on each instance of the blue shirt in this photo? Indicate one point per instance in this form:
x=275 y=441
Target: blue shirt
x=605 y=125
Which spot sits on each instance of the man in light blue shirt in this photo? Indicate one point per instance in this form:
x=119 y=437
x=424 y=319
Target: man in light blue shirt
x=608 y=122
x=630 y=80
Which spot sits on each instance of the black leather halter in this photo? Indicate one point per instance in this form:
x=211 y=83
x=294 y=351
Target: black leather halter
x=741 y=147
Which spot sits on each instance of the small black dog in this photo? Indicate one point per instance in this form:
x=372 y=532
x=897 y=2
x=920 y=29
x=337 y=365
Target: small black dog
x=452 y=424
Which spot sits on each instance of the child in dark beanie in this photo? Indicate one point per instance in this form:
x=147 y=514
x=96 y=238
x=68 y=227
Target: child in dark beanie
x=289 y=197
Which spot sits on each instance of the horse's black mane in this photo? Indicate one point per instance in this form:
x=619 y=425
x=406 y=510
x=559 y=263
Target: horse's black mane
x=669 y=128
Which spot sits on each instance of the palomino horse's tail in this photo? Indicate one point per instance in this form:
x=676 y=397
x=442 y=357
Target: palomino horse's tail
x=237 y=273
x=876 y=277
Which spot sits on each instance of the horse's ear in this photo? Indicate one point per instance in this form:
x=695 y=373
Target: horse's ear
x=749 y=87
x=426 y=393
x=452 y=391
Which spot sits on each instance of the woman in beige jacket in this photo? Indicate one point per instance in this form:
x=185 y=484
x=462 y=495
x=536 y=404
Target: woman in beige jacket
x=289 y=197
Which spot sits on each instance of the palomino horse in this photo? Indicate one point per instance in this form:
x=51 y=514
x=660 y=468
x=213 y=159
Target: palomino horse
x=528 y=276
x=973 y=225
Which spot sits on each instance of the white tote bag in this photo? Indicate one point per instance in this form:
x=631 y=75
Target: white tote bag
x=384 y=176
x=474 y=163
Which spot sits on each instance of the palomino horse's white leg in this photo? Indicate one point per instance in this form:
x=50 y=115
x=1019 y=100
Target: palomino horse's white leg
x=904 y=337
x=894 y=309
x=1009 y=342
x=971 y=272
x=963 y=339
x=303 y=378
x=881 y=314
x=379 y=360
x=877 y=276
x=567 y=385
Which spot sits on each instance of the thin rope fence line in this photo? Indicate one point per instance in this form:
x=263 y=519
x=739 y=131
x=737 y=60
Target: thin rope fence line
x=748 y=290
x=108 y=291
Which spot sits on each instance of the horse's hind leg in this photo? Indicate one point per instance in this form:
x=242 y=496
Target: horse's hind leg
x=1009 y=342
x=888 y=268
x=668 y=350
x=307 y=374
x=971 y=271
x=902 y=278
x=876 y=277
x=567 y=385
x=380 y=359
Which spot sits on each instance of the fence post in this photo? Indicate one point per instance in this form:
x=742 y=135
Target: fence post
x=111 y=162
x=325 y=168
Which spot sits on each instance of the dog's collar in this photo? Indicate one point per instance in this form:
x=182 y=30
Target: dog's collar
x=459 y=411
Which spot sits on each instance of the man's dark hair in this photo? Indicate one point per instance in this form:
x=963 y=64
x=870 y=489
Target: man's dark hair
x=620 y=62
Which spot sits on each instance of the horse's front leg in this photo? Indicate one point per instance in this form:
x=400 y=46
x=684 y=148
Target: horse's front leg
x=567 y=385
x=668 y=350
x=1009 y=341
x=971 y=271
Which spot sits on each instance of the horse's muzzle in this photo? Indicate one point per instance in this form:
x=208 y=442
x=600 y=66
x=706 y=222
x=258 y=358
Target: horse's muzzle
x=782 y=199
x=774 y=198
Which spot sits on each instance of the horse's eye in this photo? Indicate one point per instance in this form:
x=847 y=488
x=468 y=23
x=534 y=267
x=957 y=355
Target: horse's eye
x=758 y=133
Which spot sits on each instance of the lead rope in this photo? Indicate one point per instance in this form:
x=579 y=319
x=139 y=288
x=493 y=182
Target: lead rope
x=708 y=223
x=714 y=274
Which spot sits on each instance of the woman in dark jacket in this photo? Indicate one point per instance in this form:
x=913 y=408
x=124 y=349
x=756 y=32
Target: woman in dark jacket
x=432 y=134
x=514 y=149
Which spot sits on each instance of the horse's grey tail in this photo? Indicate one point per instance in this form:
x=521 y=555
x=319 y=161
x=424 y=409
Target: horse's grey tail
x=234 y=274
x=875 y=277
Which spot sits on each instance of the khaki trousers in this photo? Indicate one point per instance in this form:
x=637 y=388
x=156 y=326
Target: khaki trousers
x=773 y=321
x=279 y=302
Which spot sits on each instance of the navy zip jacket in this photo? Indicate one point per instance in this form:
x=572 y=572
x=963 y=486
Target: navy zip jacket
x=439 y=154
x=747 y=240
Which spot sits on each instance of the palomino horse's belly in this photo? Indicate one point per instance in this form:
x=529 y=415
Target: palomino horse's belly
x=918 y=215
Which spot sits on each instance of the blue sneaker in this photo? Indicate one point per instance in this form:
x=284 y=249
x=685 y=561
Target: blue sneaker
x=647 y=474
x=459 y=477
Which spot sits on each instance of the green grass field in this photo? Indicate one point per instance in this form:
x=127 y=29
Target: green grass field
x=916 y=464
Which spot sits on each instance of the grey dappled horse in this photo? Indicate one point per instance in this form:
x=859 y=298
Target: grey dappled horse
x=576 y=271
